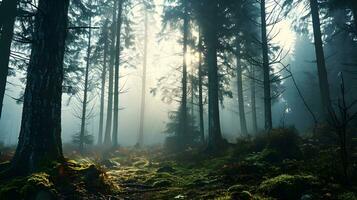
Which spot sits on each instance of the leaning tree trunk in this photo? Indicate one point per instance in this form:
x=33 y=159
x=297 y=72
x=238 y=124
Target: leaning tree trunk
x=143 y=84
x=104 y=76
x=8 y=14
x=320 y=58
x=116 y=76
x=200 y=89
x=242 y=119
x=266 y=70
x=85 y=92
x=211 y=38
x=108 y=126
x=253 y=100
x=40 y=134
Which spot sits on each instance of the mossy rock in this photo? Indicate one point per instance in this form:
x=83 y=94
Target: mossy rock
x=288 y=186
x=30 y=187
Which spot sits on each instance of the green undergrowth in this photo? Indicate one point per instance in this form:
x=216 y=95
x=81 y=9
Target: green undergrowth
x=72 y=180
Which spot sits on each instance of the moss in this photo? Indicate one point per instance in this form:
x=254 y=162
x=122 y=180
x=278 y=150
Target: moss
x=237 y=188
x=28 y=187
x=162 y=183
x=288 y=186
x=347 y=196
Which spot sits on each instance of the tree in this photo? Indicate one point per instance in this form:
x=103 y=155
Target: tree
x=266 y=69
x=116 y=74
x=243 y=122
x=86 y=83
x=140 y=142
x=200 y=86
x=103 y=84
x=40 y=134
x=8 y=10
x=210 y=26
x=108 y=127
x=320 y=58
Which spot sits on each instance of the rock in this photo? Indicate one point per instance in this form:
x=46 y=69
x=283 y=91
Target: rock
x=167 y=169
x=162 y=183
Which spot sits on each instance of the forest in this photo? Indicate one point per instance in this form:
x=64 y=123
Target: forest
x=178 y=99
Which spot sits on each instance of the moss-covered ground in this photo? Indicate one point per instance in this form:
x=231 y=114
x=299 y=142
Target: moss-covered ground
x=250 y=169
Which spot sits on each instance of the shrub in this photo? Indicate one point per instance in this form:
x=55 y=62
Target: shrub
x=288 y=186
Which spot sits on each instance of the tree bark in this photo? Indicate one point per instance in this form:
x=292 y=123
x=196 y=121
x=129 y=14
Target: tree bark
x=116 y=75
x=104 y=76
x=8 y=14
x=200 y=89
x=253 y=100
x=143 y=84
x=320 y=58
x=85 y=92
x=266 y=70
x=242 y=119
x=211 y=40
x=108 y=127
x=40 y=135
x=183 y=113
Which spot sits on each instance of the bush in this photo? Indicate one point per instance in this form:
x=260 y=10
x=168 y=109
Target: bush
x=277 y=145
x=288 y=186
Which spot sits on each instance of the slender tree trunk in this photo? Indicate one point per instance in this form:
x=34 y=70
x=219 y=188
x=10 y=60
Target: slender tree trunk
x=116 y=76
x=242 y=119
x=108 y=126
x=214 y=127
x=266 y=70
x=40 y=134
x=104 y=76
x=85 y=92
x=354 y=13
x=8 y=14
x=143 y=85
x=200 y=89
x=321 y=65
x=253 y=101
x=183 y=132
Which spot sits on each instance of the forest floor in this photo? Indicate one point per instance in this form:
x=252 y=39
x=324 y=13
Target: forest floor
x=234 y=173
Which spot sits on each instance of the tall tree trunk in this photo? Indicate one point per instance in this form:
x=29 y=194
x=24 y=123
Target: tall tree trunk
x=253 y=101
x=211 y=38
x=143 y=84
x=354 y=13
x=85 y=92
x=116 y=75
x=104 y=76
x=200 y=89
x=242 y=119
x=266 y=70
x=183 y=113
x=8 y=14
x=320 y=58
x=40 y=134
x=108 y=126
